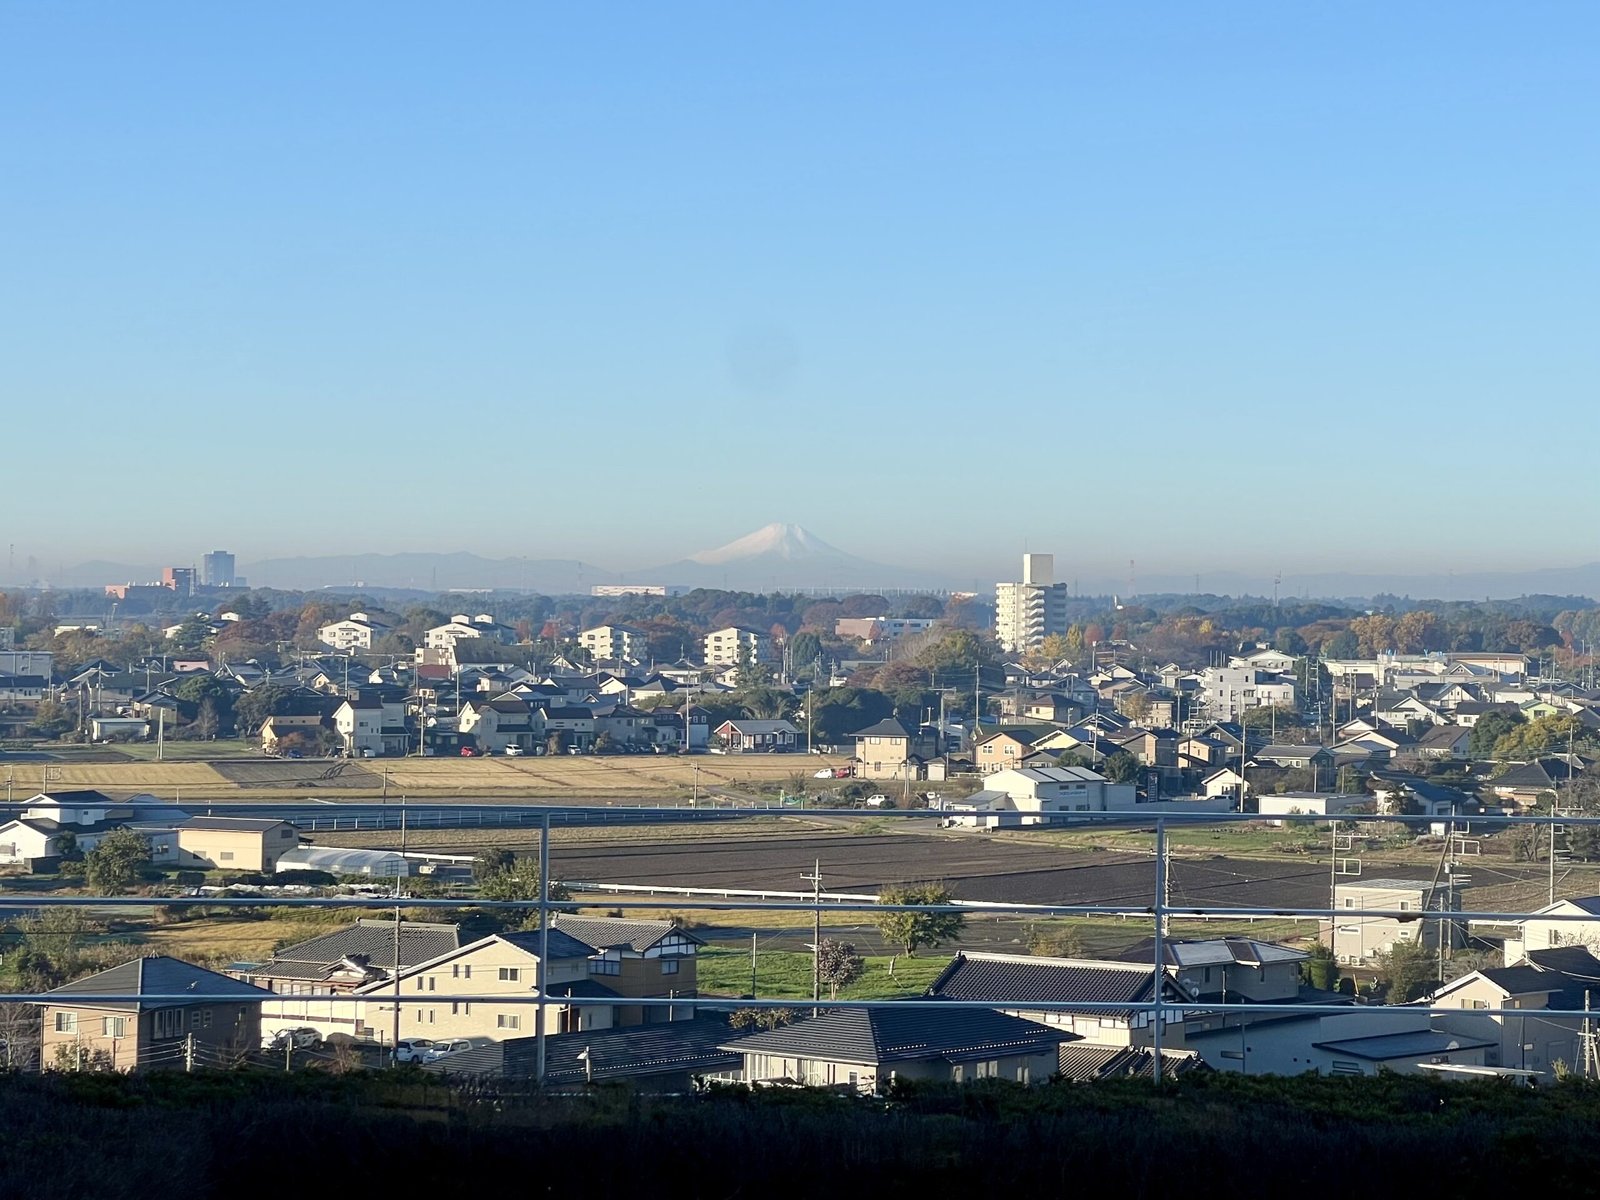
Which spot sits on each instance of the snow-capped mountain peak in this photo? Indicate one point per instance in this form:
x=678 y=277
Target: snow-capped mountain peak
x=777 y=540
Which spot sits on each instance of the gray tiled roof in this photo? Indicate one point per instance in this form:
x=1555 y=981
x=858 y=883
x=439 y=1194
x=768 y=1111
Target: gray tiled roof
x=1016 y=980
x=605 y=932
x=160 y=978
x=1089 y=1060
x=906 y=1032
x=1386 y=1047
x=368 y=938
x=562 y=943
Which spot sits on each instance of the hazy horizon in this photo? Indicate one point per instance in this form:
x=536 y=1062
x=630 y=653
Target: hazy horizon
x=1254 y=291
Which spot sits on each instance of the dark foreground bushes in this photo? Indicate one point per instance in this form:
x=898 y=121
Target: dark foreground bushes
x=247 y=1135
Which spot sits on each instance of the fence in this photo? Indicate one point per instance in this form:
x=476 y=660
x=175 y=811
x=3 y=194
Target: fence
x=1161 y=1010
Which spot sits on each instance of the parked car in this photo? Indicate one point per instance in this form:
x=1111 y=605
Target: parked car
x=468 y=752
x=303 y=1038
x=513 y=751
x=442 y=1049
x=825 y=773
x=878 y=801
x=413 y=1050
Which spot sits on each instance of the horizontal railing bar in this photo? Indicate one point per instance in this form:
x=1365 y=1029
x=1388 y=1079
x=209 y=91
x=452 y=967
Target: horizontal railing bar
x=1189 y=1009
x=429 y=808
x=980 y=907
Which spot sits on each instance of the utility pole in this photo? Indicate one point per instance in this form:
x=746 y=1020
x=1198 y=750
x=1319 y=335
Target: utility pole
x=816 y=933
x=752 y=965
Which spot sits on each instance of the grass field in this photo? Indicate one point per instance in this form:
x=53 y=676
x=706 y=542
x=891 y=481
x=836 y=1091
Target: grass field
x=226 y=940
x=786 y=974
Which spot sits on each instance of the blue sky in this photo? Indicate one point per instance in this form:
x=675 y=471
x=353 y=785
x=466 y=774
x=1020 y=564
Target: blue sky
x=1260 y=286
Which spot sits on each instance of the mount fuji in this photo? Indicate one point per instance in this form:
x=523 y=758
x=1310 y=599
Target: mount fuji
x=780 y=555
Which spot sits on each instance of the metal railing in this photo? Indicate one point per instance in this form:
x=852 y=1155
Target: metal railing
x=1160 y=1010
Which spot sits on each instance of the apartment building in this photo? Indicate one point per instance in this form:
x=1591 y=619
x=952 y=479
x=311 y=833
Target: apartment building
x=615 y=643
x=1031 y=609
x=727 y=647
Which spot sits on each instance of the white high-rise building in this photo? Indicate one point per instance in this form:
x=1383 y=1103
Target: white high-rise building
x=1027 y=612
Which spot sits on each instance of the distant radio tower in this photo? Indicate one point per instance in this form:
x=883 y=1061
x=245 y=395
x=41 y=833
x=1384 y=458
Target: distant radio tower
x=1131 y=590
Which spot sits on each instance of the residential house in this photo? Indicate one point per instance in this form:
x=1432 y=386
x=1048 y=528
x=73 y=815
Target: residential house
x=670 y=723
x=1320 y=804
x=371 y=724
x=596 y=966
x=51 y=823
x=866 y=1049
x=1295 y=758
x=461 y=627
x=1360 y=939
x=1527 y=785
x=1230 y=970
x=1228 y=692
x=889 y=750
x=1100 y=1002
x=622 y=726
x=1364 y=1041
x=750 y=736
x=338 y=963
x=179 y=1016
x=640 y=959
x=1443 y=743
x=1554 y=988
x=1225 y=782
x=1006 y=748
x=569 y=727
x=357 y=632
x=1571 y=922
x=1265 y=658
x=235 y=843
x=506 y=720
x=1041 y=795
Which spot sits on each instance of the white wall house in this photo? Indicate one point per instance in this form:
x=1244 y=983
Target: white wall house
x=357 y=632
x=1041 y=795
x=461 y=626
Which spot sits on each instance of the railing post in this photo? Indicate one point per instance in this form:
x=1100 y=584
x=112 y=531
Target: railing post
x=543 y=972
x=1160 y=977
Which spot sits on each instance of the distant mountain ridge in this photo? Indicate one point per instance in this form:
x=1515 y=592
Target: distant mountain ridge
x=781 y=556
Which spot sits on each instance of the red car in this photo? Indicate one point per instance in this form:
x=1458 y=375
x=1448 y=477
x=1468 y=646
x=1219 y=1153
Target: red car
x=468 y=752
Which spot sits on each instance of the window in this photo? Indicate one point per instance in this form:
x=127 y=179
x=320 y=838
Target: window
x=605 y=966
x=226 y=856
x=466 y=971
x=455 y=970
x=167 y=1023
x=432 y=983
x=508 y=1021
x=669 y=966
x=116 y=1027
x=66 y=1022
x=510 y=975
